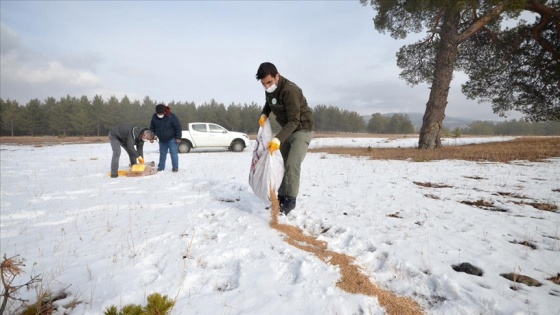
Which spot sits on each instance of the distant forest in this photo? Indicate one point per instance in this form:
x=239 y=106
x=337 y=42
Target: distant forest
x=71 y=116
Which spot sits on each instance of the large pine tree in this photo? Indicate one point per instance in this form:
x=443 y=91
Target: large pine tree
x=452 y=42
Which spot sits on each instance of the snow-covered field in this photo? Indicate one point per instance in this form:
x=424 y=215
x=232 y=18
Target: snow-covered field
x=203 y=238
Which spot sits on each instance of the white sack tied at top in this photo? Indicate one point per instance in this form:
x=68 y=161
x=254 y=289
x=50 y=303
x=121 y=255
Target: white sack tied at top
x=266 y=170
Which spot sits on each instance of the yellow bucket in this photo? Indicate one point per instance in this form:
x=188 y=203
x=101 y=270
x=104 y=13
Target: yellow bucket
x=138 y=167
x=121 y=173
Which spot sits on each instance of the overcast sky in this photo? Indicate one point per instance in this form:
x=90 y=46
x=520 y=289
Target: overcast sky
x=203 y=50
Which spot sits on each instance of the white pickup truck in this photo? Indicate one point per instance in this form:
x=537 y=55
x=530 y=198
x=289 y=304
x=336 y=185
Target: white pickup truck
x=209 y=135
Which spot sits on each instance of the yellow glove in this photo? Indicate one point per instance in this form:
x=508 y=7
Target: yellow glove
x=262 y=120
x=273 y=145
x=141 y=160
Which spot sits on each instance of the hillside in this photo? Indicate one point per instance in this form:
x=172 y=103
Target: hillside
x=416 y=119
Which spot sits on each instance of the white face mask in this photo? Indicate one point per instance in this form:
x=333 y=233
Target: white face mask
x=271 y=88
x=160 y=116
x=145 y=140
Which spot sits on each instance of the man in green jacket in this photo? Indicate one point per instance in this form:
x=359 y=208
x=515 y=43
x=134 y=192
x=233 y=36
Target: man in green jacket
x=286 y=101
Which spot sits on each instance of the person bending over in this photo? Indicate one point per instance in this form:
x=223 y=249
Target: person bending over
x=132 y=139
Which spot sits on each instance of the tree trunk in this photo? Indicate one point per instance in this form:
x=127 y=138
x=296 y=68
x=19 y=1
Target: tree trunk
x=445 y=63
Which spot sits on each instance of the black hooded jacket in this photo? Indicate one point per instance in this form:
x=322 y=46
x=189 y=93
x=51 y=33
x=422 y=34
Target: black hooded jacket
x=166 y=128
x=129 y=136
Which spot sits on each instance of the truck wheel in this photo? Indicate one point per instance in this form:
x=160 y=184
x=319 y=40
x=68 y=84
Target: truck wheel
x=184 y=147
x=237 y=146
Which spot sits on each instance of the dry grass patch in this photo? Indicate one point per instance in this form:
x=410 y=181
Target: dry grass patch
x=527 y=149
x=474 y=177
x=483 y=204
x=544 y=206
x=431 y=196
x=51 y=140
x=555 y=279
x=525 y=243
x=479 y=203
x=540 y=205
x=432 y=185
x=518 y=278
x=389 y=137
x=512 y=195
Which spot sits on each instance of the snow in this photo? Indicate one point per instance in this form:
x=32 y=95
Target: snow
x=201 y=237
x=396 y=142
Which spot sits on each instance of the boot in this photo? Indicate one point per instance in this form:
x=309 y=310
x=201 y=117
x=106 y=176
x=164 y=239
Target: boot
x=281 y=199
x=288 y=205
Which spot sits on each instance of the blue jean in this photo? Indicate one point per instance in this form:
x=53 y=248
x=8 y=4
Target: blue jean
x=173 y=149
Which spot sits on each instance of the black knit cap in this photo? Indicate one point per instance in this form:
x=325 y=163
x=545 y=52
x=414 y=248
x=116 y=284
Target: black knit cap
x=160 y=109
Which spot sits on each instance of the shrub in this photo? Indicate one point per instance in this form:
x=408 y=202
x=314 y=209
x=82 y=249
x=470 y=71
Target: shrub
x=157 y=305
x=457 y=133
x=10 y=269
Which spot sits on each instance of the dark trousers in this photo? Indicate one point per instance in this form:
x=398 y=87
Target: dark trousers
x=293 y=151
